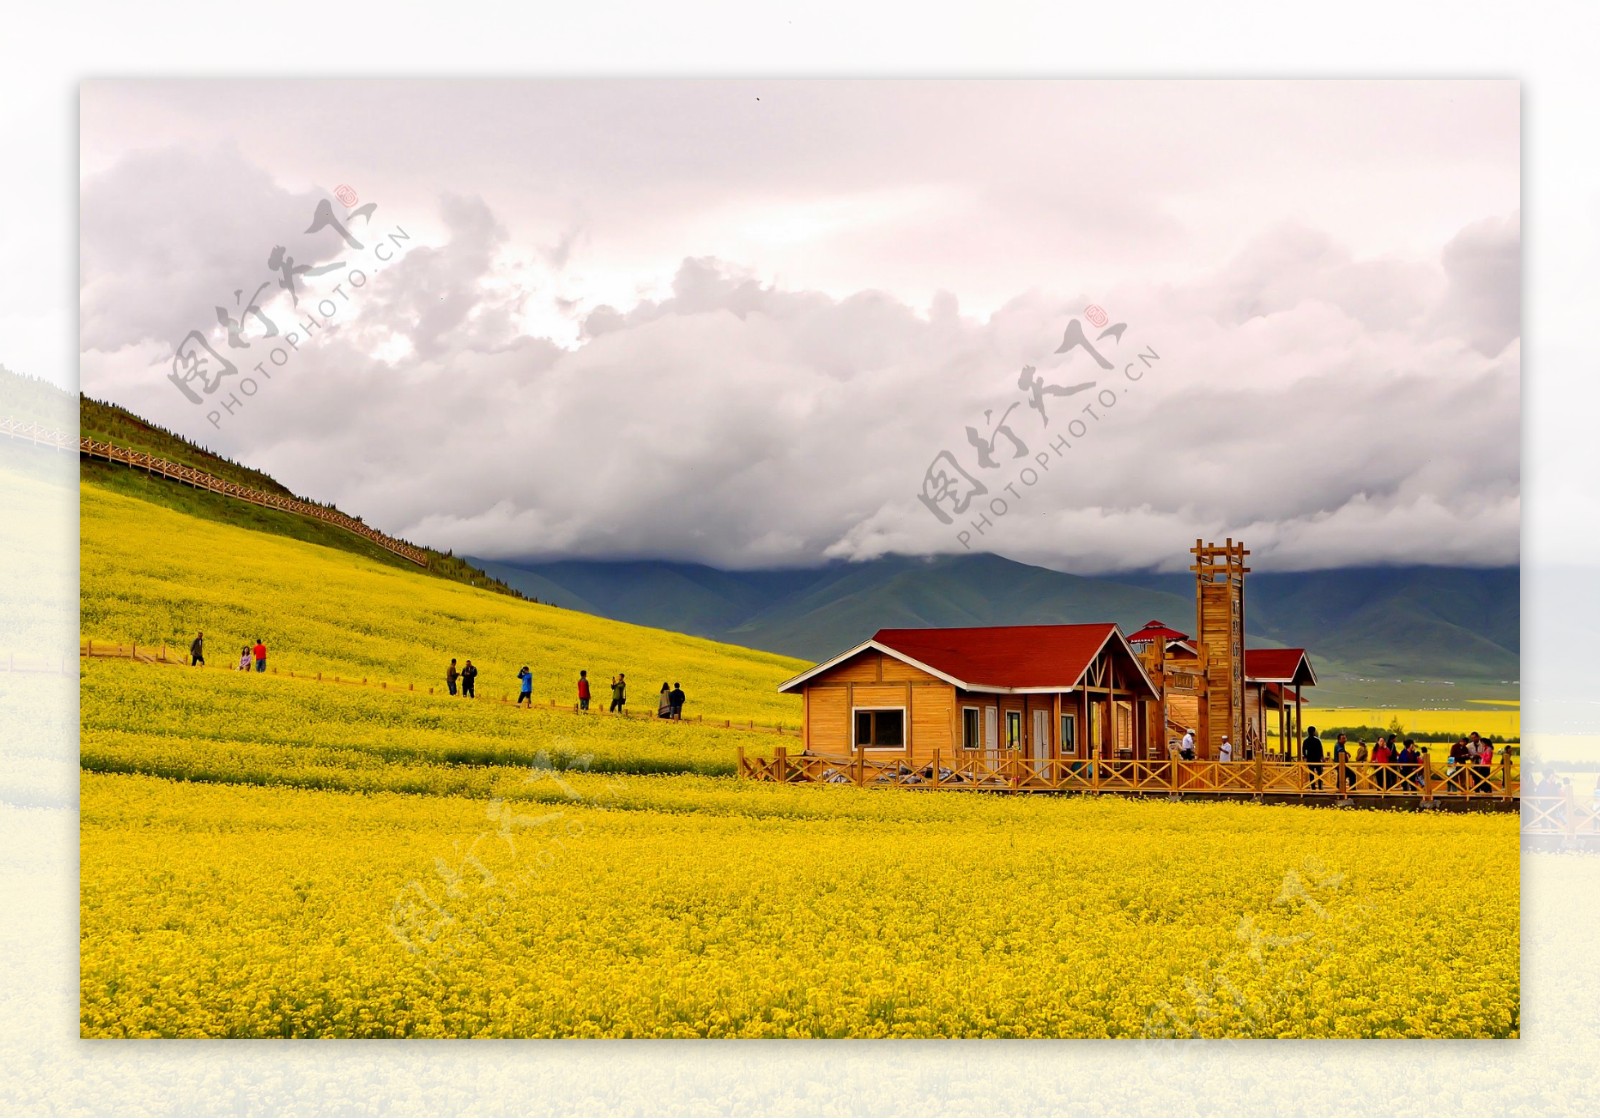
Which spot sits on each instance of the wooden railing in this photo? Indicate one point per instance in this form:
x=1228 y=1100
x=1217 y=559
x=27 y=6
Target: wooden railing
x=1563 y=815
x=31 y=432
x=188 y=475
x=1352 y=782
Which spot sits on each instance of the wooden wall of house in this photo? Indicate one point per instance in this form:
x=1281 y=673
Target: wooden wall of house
x=874 y=680
x=934 y=712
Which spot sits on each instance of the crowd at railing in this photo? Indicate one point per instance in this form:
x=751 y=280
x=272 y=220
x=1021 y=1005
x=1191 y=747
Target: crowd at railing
x=1013 y=770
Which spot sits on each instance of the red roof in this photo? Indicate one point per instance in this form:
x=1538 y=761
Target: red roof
x=1284 y=665
x=1157 y=631
x=1003 y=656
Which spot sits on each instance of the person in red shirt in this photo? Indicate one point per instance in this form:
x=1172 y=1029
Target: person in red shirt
x=1382 y=756
x=583 y=690
x=260 y=652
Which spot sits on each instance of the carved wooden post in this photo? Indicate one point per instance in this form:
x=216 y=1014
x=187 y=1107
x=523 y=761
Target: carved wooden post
x=742 y=768
x=780 y=763
x=936 y=767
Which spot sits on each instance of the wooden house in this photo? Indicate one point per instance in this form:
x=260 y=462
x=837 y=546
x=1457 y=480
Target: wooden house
x=1051 y=691
x=1063 y=691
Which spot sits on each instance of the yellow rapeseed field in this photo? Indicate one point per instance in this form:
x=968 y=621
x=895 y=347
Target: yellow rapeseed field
x=1501 y=722
x=264 y=856
x=151 y=575
x=626 y=906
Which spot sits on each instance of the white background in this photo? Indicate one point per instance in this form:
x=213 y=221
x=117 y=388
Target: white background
x=1550 y=48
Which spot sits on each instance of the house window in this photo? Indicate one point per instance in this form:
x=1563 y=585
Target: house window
x=971 y=729
x=882 y=729
x=1013 y=730
x=1069 y=734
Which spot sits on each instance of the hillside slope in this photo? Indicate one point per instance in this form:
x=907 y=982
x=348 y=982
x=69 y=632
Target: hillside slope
x=154 y=575
x=111 y=423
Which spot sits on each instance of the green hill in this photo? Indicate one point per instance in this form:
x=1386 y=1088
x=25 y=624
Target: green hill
x=1376 y=635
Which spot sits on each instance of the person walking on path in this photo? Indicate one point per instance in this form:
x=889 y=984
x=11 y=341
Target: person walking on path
x=244 y=659
x=677 y=700
x=469 y=677
x=1186 y=747
x=619 y=693
x=451 y=675
x=260 y=652
x=664 y=705
x=1311 y=751
x=197 y=650
x=527 y=687
x=583 y=690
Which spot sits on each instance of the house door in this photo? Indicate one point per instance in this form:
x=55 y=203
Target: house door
x=991 y=735
x=1040 y=744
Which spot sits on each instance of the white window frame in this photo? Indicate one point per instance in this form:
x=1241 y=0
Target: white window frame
x=905 y=730
x=1022 y=729
x=1069 y=718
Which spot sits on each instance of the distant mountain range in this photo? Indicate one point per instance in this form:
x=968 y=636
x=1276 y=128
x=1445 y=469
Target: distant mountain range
x=1389 y=623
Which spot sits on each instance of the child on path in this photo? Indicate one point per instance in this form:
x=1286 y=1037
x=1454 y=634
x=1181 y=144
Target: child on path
x=527 y=687
x=583 y=690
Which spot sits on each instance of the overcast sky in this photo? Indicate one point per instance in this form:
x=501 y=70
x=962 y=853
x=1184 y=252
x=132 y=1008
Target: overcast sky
x=735 y=322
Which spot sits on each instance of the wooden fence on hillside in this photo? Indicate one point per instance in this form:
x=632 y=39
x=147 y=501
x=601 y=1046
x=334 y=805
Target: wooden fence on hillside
x=189 y=476
x=177 y=655
x=30 y=432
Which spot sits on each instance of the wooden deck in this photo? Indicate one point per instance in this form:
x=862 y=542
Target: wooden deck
x=1354 y=783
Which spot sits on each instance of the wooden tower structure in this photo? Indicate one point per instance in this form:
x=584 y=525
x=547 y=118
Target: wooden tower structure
x=1219 y=573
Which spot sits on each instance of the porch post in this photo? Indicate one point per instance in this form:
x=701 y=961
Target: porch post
x=1299 y=718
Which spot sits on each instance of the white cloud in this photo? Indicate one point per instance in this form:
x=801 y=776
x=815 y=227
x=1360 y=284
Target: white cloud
x=1331 y=403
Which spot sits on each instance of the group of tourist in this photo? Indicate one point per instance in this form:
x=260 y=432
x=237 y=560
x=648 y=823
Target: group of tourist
x=670 y=705
x=1396 y=762
x=248 y=655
